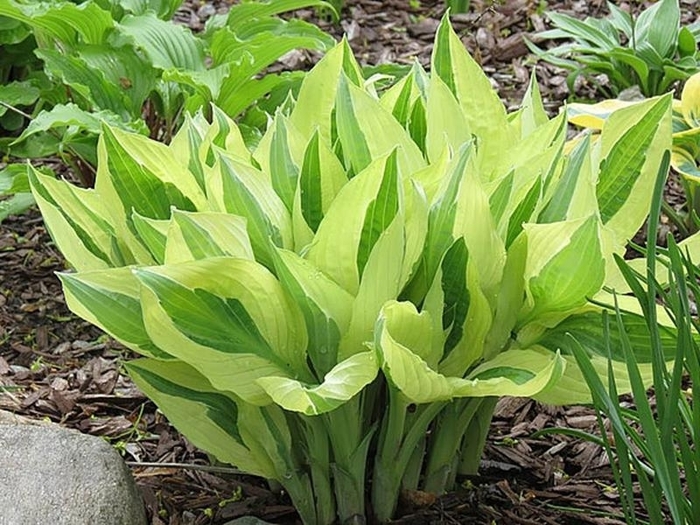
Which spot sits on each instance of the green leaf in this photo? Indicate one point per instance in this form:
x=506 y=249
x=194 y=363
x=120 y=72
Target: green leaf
x=18 y=94
x=658 y=25
x=260 y=43
x=88 y=83
x=235 y=97
x=65 y=115
x=166 y=45
x=65 y=21
x=202 y=412
x=621 y=19
x=565 y=265
x=587 y=328
x=14 y=179
x=687 y=44
x=225 y=134
x=110 y=299
x=632 y=142
x=15 y=205
x=164 y=9
x=339 y=385
x=200 y=235
x=123 y=67
x=585 y=30
x=240 y=14
x=228 y=318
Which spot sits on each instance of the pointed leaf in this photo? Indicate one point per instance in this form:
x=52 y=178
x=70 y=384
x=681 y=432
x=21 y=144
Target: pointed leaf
x=194 y=236
x=326 y=307
x=228 y=318
x=565 y=264
x=206 y=415
x=339 y=385
x=110 y=300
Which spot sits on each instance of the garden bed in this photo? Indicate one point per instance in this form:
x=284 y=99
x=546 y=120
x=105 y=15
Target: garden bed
x=54 y=365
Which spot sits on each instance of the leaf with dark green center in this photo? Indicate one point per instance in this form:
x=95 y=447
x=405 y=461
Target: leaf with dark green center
x=310 y=185
x=380 y=212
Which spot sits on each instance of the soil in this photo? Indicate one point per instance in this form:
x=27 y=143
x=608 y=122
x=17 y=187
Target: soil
x=56 y=366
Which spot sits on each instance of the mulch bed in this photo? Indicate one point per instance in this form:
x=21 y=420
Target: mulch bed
x=56 y=366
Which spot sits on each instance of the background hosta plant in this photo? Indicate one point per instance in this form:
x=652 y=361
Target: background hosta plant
x=685 y=153
x=128 y=64
x=651 y=51
x=339 y=310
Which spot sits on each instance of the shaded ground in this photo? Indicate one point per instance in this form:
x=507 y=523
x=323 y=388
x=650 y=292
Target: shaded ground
x=53 y=365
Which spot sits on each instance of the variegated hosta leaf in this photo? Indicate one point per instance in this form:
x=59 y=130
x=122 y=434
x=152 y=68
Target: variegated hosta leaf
x=76 y=220
x=363 y=209
x=686 y=163
x=631 y=144
x=340 y=384
x=143 y=176
x=517 y=372
x=532 y=114
x=111 y=300
x=246 y=191
x=136 y=174
x=593 y=116
x=206 y=415
x=573 y=194
x=195 y=236
x=317 y=175
x=229 y=319
x=484 y=113
x=690 y=101
x=326 y=307
x=368 y=131
x=564 y=267
x=319 y=90
x=153 y=234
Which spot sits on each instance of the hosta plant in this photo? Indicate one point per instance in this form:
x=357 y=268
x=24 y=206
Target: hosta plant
x=129 y=64
x=340 y=310
x=685 y=153
x=651 y=51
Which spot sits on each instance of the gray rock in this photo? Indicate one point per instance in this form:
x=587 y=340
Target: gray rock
x=51 y=475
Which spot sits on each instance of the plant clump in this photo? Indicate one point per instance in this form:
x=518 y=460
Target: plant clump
x=339 y=309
